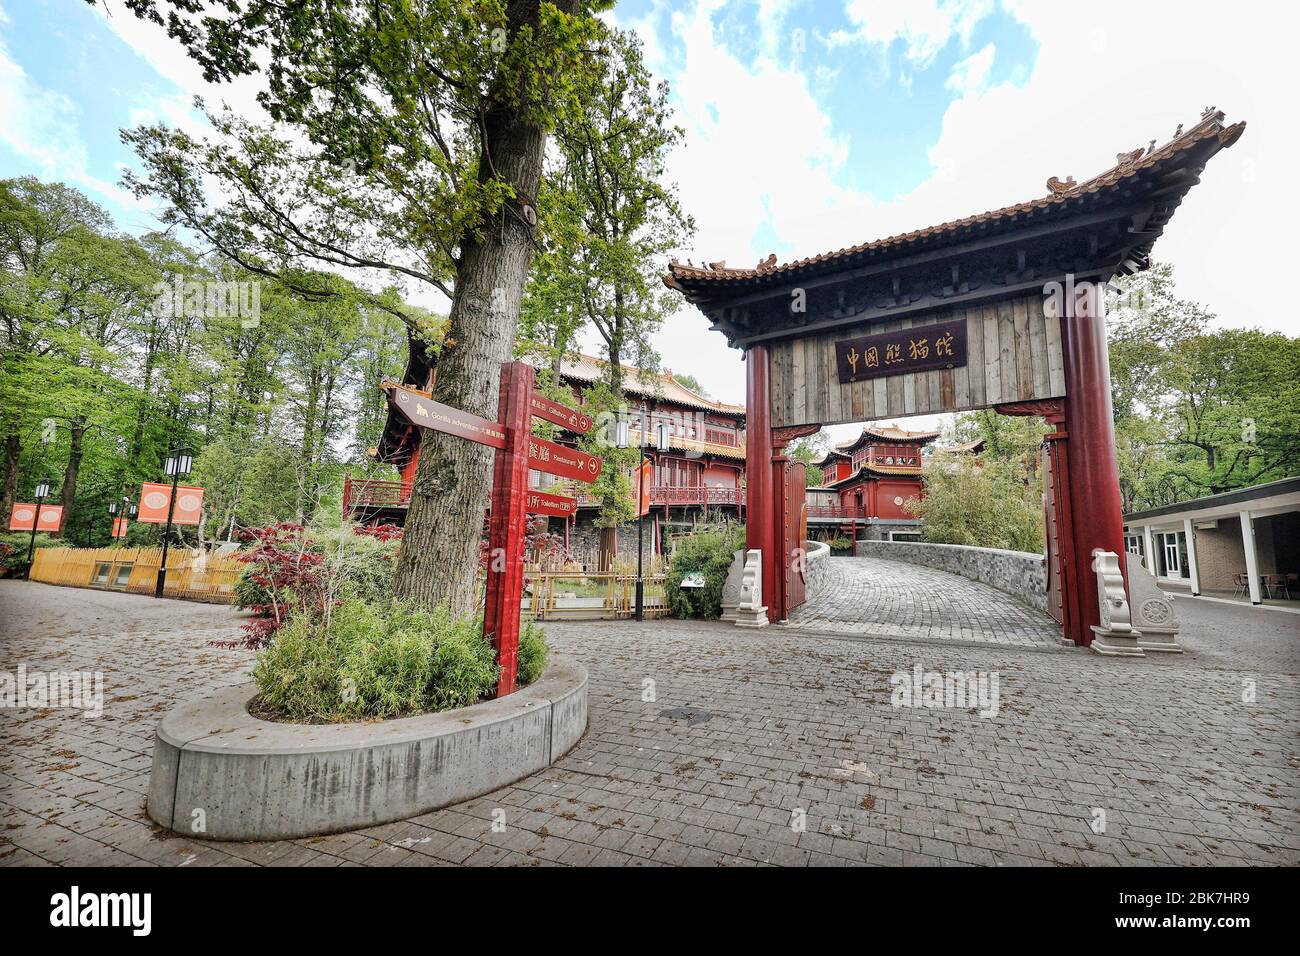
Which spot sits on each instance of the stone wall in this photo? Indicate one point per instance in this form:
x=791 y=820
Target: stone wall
x=1019 y=573
x=819 y=559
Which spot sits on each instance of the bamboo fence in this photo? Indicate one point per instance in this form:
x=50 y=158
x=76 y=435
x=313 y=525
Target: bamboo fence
x=196 y=576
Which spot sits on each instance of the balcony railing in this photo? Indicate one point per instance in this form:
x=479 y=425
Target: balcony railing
x=701 y=495
x=846 y=512
x=361 y=494
x=369 y=493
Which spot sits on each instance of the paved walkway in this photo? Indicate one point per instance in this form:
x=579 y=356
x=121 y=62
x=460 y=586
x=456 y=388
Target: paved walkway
x=881 y=598
x=774 y=746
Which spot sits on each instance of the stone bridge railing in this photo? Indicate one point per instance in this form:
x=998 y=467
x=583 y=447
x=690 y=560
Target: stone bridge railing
x=1019 y=573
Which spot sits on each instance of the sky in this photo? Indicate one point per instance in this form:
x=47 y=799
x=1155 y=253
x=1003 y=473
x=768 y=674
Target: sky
x=814 y=124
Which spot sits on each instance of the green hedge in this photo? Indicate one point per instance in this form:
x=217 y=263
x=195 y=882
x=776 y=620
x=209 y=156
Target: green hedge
x=710 y=552
x=364 y=661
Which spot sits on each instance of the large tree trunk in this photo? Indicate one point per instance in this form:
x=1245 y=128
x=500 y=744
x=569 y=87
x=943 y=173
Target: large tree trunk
x=440 y=544
x=12 y=446
x=77 y=433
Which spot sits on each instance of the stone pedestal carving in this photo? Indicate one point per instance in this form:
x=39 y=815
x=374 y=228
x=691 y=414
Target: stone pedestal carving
x=1115 y=636
x=731 y=586
x=751 y=611
x=1153 y=614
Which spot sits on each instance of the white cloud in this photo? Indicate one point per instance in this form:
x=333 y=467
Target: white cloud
x=762 y=153
x=971 y=75
x=924 y=26
x=40 y=125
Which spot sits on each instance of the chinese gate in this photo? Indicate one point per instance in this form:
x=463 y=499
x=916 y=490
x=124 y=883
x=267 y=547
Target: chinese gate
x=1002 y=310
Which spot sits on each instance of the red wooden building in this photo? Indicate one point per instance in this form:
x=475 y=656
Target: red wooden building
x=703 y=469
x=876 y=473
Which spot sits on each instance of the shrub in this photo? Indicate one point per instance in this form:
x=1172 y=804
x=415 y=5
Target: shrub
x=841 y=544
x=293 y=570
x=360 y=661
x=13 y=551
x=991 y=505
x=533 y=652
x=710 y=552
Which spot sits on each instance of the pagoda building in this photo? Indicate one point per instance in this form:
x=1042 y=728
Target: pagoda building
x=701 y=472
x=869 y=479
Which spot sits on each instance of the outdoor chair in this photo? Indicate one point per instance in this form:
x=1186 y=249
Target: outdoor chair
x=1240 y=585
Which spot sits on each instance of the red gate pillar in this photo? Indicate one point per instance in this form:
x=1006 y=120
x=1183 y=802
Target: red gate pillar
x=1097 y=516
x=505 y=571
x=759 y=493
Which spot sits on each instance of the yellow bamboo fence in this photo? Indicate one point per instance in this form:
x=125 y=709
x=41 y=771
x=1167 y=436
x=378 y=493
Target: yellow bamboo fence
x=196 y=576
x=578 y=595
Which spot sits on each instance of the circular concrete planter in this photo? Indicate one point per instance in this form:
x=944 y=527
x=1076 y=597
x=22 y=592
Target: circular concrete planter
x=221 y=774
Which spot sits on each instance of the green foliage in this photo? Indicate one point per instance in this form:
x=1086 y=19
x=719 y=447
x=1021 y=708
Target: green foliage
x=991 y=505
x=709 y=551
x=808 y=450
x=612 y=217
x=841 y=544
x=13 y=551
x=533 y=653
x=1198 y=410
x=365 y=661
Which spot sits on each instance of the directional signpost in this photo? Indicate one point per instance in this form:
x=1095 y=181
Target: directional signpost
x=553 y=506
x=512 y=500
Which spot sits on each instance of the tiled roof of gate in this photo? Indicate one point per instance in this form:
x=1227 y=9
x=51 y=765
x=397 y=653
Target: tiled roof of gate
x=1128 y=165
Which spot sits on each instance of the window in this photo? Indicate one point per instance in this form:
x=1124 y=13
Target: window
x=1173 y=561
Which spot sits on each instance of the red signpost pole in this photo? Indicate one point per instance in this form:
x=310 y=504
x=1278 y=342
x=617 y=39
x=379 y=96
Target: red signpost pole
x=505 y=570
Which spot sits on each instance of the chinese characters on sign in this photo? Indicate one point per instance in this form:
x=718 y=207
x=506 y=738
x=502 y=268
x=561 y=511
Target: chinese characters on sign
x=554 y=506
x=543 y=408
x=921 y=349
x=558 y=460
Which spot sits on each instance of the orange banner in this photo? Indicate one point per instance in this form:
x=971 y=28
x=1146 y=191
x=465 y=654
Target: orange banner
x=21 y=518
x=155 y=497
x=119 y=527
x=642 y=482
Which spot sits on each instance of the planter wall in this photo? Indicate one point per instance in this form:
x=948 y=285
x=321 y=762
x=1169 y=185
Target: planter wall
x=221 y=774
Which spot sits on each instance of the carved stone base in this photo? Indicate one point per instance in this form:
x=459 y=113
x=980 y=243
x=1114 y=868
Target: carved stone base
x=1154 y=614
x=1165 y=642
x=1112 y=644
x=731 y=587
x=750 y=609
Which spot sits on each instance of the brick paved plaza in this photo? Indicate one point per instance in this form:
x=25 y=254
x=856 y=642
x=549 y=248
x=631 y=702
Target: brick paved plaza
x=748 y=729
x=880 y=598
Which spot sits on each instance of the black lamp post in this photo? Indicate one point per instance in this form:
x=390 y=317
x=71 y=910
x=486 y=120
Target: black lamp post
x=624 y=441
x=42 y=489
x=178 y=463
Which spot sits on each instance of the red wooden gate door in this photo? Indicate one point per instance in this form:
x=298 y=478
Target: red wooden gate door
x=1053 y=529
x=793 y=533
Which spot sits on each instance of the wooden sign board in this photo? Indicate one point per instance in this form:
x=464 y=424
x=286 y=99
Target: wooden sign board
x=558 y=460
x=555 y=506
x=942 y=345
x=427 y=413
x=547 y=410
x=1013 y=354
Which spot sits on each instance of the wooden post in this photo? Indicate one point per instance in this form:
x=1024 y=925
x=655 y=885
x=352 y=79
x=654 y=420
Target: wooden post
x=1098 y=519
x=759 y=493
x=505 y=571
